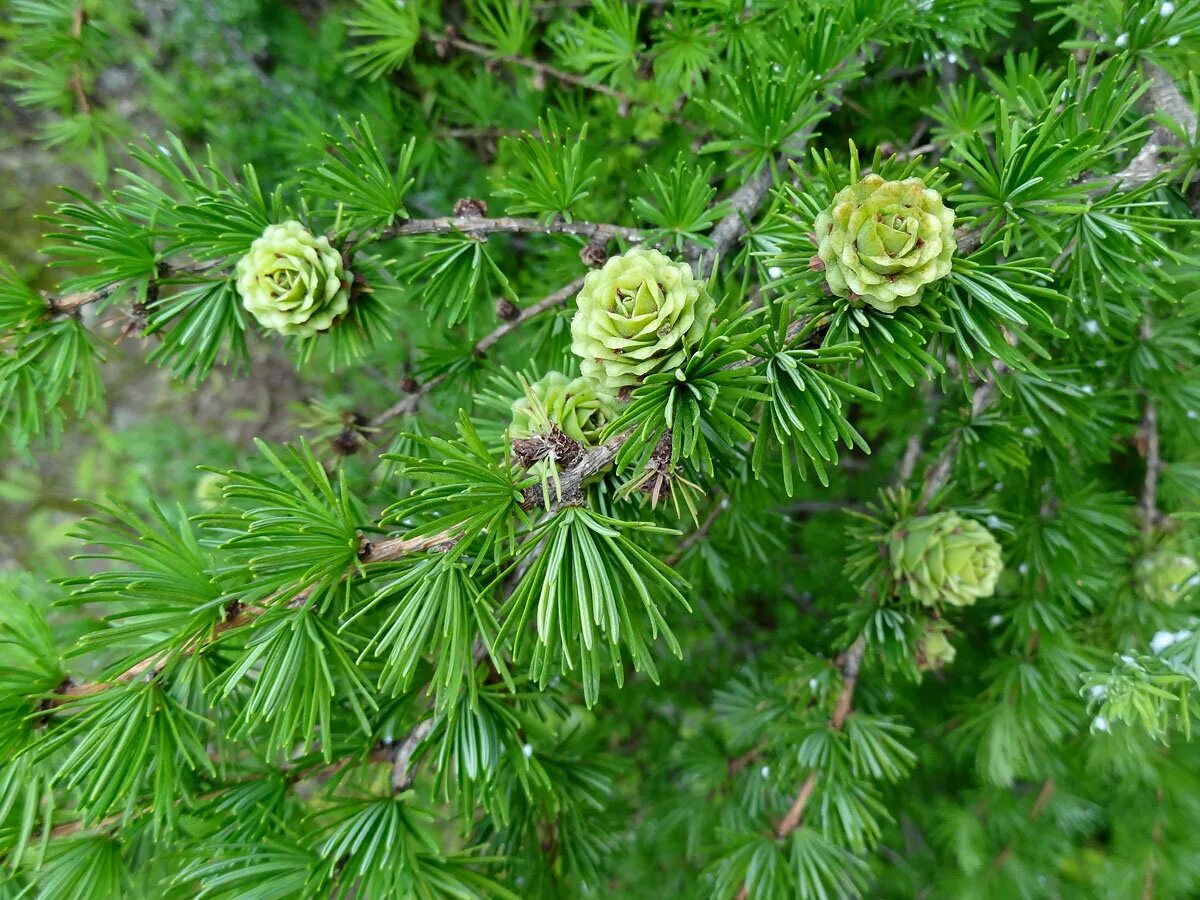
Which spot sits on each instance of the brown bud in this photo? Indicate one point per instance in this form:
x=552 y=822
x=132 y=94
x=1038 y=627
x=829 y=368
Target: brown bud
x=469 y=206
x=593 y=254
x=409 y=385
x=530 y=450
x=625 y=393
x=661 y=455
x=347 y=442
x=816 y=264
x=657 y=485
x=506 y=310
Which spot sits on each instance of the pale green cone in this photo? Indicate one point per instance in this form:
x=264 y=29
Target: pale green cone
x=1165 y=576
x=881 y=242
x=293 y=282
x=579 y=407
x=945 y=559
x=638 y=315
x=209 y=491
x=934 y=650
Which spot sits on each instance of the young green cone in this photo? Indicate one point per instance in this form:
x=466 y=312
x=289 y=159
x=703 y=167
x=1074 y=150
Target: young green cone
x=934 y=650
x=1165 y=575
x=640 y=314
x=945 y=559
x=881 y=242
x=578 y=407
x=292 y=281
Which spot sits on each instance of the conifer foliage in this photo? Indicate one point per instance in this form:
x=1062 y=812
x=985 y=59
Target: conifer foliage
x=753 y=451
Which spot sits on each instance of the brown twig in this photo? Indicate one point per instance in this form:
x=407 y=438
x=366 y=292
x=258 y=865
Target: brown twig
x=701 y=532
x=479 y=226
x=78 y=20
x=71 y=304
x=402 y=768
x=551 y=301
x=482 y=346
x=409 y=404
x=1039 y=804
x=385 y=550
x=851 y=663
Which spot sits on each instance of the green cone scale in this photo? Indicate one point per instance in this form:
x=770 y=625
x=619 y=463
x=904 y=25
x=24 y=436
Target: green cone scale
x=881 y=242
x=293 y=281
x=934 y=650
x=944 y=559
x=1165 y=576
x=640 y=314
x=579 y=407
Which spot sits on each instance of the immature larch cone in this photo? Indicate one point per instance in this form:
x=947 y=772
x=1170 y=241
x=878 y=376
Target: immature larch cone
x=639 y=314
x=578 y=407
x=881 y=242
x=293 y=282
x=945 y=559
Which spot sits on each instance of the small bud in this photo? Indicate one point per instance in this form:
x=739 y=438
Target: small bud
x=506 y=310
x=661 y=455
x=347 y=442
x=469 y=206
x=409 y=385
x=567 y=450
x=593 y=255
x=816 y=264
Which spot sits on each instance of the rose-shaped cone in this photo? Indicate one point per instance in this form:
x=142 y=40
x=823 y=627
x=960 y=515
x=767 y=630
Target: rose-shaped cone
x=1165 y=576
x=881 y=242
x=640 y=314
x=945 y=559
x=579 y=407
x=292 y=281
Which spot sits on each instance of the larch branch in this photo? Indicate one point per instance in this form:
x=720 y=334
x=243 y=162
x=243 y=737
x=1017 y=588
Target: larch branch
x=384 y=550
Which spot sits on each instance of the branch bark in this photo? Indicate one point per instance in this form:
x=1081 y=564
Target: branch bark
x=483 y=345
x=385 y=550
x=479 y=226
x=78 y=19
x=450 y=39
x=749 y=197
x=851 y=663
x=71 y=304
x=700 y=533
